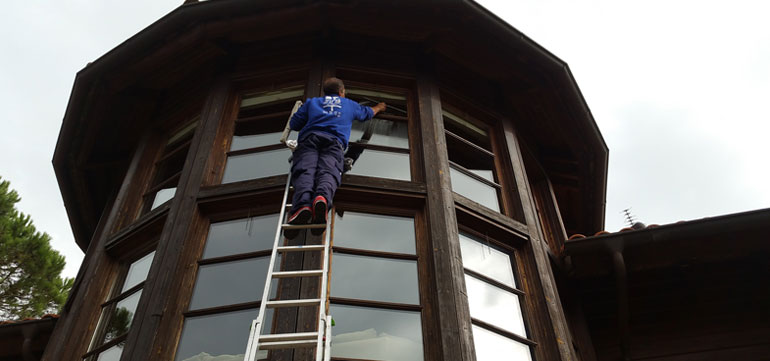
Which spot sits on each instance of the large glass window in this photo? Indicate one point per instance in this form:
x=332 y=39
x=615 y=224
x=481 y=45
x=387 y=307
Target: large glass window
x=374 y=294
x=381 y=145
x=228 y=290
x=494 y=301
x=168 y=167
x=471 y=161
x=118 y=312
x=256 y=151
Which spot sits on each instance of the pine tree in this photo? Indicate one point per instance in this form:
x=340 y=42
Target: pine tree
x=30 y=281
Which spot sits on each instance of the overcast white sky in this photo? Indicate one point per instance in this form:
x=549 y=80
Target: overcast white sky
x=679 y=89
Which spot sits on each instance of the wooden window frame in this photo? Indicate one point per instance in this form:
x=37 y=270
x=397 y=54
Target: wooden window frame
x=516 y=259
x=236 y=121
x=221 y=260
x=116 y=295
x=492 y=134
x=420 y=261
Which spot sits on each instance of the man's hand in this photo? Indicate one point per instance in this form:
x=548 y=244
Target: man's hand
x=292 y=144
x=380 y=107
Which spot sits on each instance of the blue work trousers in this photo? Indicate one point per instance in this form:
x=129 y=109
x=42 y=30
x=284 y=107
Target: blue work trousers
x=316 y=169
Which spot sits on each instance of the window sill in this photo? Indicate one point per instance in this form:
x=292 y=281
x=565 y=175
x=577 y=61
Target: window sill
x=471 y=213
x=149 y=225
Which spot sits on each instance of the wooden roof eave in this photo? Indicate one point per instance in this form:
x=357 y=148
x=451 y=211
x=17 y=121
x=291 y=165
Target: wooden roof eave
x=708 y=239
x=157 y=35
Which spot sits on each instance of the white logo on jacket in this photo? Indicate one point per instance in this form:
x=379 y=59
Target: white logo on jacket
x=332 y=102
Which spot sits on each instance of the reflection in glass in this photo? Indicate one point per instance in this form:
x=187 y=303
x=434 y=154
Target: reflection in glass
x=376 y=279
x=240 y=236
x=480 y=257
x=269 y=97
x=374 y=232
x=381 y=164
x=122 y=317
x=494 y=306
x=256 y=165
x=474 y=189
x=384 y=132
x=111 y=354
x=138 y=271
x=229 y=283
x=376 y=334
x=163 y=196
x=489 y=346
x=397 y=104
x=466 y=130
x=217 y=337
x=257 y=140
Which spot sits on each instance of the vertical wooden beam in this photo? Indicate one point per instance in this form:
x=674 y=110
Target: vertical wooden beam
x=92 y=284
x=539 y=248
x=182 y=216
x=451 y=299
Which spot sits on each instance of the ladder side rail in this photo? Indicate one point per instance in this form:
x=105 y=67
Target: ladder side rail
x=287 y=128
x=322 y=318
x=254 y=345
x=328 y=345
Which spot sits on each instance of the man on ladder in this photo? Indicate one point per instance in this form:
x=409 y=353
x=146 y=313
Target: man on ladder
x=324 y=125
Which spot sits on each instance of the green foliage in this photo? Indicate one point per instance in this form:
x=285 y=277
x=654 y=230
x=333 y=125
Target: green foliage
x=30 y=281
x=119 y=323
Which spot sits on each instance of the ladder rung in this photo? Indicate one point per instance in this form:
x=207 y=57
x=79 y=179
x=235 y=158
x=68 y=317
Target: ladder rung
x=288 y=274
x=303 y=226
x=287 y=344
x=315 y=247
x=297 y=336
x=294 y=303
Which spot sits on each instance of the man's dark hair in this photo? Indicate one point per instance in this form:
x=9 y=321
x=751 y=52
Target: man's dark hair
x=333 y=86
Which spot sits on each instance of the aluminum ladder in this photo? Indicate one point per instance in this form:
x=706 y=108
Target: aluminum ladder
x=321 y=338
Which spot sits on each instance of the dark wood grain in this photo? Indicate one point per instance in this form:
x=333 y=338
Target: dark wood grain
x=172 y=257
x=92 y=285
x=452 y=312
x=541 y=277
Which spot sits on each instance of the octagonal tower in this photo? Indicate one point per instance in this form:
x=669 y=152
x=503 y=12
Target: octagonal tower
x=443 y=233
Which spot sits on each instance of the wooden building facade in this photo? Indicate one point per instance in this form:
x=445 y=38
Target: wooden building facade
x=444 y=234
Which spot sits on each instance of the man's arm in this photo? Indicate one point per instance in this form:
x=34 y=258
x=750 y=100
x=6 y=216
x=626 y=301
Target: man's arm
x=299 y=119
x=380 y=107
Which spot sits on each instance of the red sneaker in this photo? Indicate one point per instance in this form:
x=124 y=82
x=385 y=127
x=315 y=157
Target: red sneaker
x=319 y=214
x=301 y=216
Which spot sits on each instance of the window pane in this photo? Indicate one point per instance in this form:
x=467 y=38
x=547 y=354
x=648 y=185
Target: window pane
x=111 y=354
x=486 y=260
x=489 y=346
x=241 y=236
x=376 y=279
x=494 y=306
x=396 y=102
x=257 y=165
x=163 y=196
x=229 y=283
x=217 y=337
x=384 y=132
x=375 y=232
x=182 y=134
x=270 y=97
x=474 y=189
x=381 y=164
x=258 y=140
x=376 y=334
x=137 y=272
x=122 y=317
x=467 y=130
